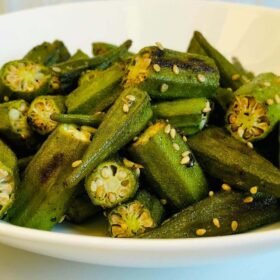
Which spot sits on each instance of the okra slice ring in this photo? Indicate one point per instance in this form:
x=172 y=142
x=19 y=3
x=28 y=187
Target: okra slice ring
x=167 y=74
x=111 y=183
x=8 y=178
x=40 y=111
x=255 y=109
x=25 y=79
x=136 y=217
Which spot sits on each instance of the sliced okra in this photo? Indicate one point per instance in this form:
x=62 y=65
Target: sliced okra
x=111 y=183
x=255 y=109
x=187 y=115
x=42 y=200
x=160 y=148
x=41 y=109
x=143 y=213
x=167 y=74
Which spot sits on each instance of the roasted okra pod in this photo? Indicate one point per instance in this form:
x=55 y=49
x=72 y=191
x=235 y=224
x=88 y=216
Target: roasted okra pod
x=40 y=111
x=167 y=74
x=133 y=218
x=42 y=200
x=9 y=178
x=169 y=165
x=188 y=115
x=255 y=109
x=111 y=184
x=222 y=214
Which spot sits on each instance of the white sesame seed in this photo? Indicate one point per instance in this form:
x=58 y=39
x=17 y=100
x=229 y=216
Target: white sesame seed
x=56 y=69
x=164 y=88
x=250 y=145
x=135 y=138
x=248 y=199
x=131 y=97
x=200 y=231
x=201 y=78
x=76 y=163
x=138 y=171
x=62 y=219
x=167 y=129
x=229 y=89
x=207 y=107
x=240 y=132
x=185 y=160
x=176 y=146
x=156 y=67
x=216 y=223
x=6 y=98
x=266 y=84
x=176 y=69
x=185 y=139
x=270 y=101
x=277 y=98
x=211 y=193
x=234 y=225
x=226 y=187
x=163 y=201
x=159 y=45
x=235 y=77
x=185 y=154
x=125 y=108
x=173 y=133
x=254 y=190
x=14 y=114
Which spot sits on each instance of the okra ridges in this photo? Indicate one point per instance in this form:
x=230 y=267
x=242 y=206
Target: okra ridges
x=111 y=184
x=129 y=220
x=247 y=119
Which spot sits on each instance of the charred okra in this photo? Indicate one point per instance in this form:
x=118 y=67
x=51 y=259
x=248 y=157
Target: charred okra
x=41 y=109
x=42 y=200
x=222 y=214
x=187 y=115
x=9 y=178
x=255 y=109
x=97 y=94
x=133 y=218
x=111 y=184
x=233 y=162
x=167 y=74
x=125 y=119
x=169 y=166
x=26 y=79
x=48 y=53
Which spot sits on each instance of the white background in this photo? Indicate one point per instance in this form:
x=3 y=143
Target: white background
x=20 y=265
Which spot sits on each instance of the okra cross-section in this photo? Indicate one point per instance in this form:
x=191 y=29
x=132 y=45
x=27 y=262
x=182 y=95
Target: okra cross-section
x=167 y=74
x=8 y=178
x=143 y=213
x=169 y=165
x=111 y=183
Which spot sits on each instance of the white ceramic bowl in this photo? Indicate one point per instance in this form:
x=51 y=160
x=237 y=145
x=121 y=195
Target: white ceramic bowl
x=248 y=32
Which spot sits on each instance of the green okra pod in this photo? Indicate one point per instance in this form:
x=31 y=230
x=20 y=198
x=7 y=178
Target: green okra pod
x=79 y=54
x=255 y=108
x=41 y=109
x=97 y=94
x=23 y=162
x=9 y=178
x=233 y=162
x=237 y=63
x=195 y=47
x=187 y=115
x=125 y=119
x=111 y=184
x=48 y=53
x=143 y=213
x=42 y=200
x=167 y=74
x=170 y=168
x=224 y=213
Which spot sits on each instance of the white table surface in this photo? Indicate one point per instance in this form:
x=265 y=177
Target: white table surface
x=20 y=265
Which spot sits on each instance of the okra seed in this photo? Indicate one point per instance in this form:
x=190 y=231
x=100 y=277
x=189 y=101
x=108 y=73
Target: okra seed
x=226 y=187
x=173 y=133
x=159 y=45
x=112 y=197
x=250 y=145
x=185 y=139
x=277 y=98
x=100 y=191
x=211 y=193
x=234 y=225
x=176 y=69
x=201 y=78
x=99 y=182
x=131 y=98
x=164 y=88
x=216 y=223
x=270 y=101
x=125 y=108
x=200 y=231
x=235 y=77
x=76 y=163
x=106 y=172
x=167 y=129
x=122 y=174
x=254 y=190
x=137 y=171
x=240 y=132
x=248 y=199
x=185 y=160
x=14 y=114
x=176 y=146
x=156 y=67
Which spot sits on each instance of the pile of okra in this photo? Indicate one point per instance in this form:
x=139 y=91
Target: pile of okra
x=162 y=143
